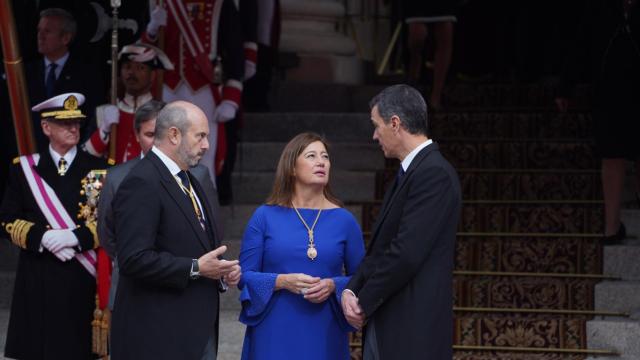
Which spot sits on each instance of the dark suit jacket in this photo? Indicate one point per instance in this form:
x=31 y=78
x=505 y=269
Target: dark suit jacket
x=106 y=222
x=405 y=281
x=74 y=77
x=161 y=313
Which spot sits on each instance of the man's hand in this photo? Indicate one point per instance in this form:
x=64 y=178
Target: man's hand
x=296 y=283
x=212 y=267
x=352 y=310
x=65 y=254
x=233 y=278
x=56 y=240
x=157 y=18
x=320 y=292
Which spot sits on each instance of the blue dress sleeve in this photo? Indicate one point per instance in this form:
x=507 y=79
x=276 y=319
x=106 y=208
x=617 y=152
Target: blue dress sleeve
x=353 y=254
x=256 y=287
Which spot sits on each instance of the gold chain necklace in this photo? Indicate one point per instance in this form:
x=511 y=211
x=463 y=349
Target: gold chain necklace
x=312 y=253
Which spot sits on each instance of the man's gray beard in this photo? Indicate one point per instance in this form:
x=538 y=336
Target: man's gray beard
x=184 y=156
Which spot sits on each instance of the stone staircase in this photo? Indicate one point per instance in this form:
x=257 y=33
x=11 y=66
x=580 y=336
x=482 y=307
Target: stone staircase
x=530 y=272
x=532 y=280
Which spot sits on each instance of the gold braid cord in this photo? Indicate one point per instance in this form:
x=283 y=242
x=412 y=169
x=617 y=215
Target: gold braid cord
x=96 y=334
x=92 y=226
x=18 y=231
x=91 y=186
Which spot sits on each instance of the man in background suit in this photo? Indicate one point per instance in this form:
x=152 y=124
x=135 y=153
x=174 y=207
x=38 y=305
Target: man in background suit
x=167 y=248
x=59 y=71
x=144 y=125
x=402 y=290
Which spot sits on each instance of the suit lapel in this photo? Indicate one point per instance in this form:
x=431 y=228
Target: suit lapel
x=179 y=197
x=390 y=196
x=65 y=74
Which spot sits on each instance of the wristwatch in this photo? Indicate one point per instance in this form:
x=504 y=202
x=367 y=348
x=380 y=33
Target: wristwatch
x=195 y=270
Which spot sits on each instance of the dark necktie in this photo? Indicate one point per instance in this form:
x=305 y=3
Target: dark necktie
x=400 y=174
x=51 y=80
x=186 y=187
x=184 y=179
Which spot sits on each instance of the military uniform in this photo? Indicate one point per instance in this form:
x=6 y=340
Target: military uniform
x=53 y=300
x=201 y=33
x=127 y=146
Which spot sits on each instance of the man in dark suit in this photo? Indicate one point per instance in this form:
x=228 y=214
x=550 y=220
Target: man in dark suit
x=54 y=295
x=59 y=71
x=144 y=125
x=402 y=290
x=167 y=248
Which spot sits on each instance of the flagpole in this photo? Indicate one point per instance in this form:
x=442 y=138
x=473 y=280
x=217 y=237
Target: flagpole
x=16 y=83
x=115 y=4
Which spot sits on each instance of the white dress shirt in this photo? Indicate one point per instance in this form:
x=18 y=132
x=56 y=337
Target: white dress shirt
x=407 y=160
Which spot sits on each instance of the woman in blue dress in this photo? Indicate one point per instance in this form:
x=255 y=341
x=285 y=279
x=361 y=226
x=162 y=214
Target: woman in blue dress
x=298 y=252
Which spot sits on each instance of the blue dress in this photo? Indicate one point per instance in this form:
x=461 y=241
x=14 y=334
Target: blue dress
x=282 y=325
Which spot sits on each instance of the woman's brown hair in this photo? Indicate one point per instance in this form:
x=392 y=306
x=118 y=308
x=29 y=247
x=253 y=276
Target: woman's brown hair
x=283 y=184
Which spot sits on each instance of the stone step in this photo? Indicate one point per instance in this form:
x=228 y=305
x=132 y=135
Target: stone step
x=617 y=334
x=518 y=217
x=505 y=355
x=622 y=296
x=521 y=154
x=348 y=186
x=264 y=156
x=340 y=127
x=622 y=261
x=528 y=292
x=7 y=279
x=577 y=255
x=508 y=330
x=514 y=184
x=469 y=153
x=531 y=125
x=288 y=96
x=530 y=185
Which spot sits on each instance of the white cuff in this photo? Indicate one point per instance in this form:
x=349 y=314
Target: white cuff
x=350 y=292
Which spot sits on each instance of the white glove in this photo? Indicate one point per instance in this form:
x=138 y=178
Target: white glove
x=107 y=115
x=157 y=18
x=55 y=240
x=65 y=254
x=249 y=69
x=225 y=111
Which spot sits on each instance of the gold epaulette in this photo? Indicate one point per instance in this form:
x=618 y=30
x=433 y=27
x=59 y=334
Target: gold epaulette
x=16 y=160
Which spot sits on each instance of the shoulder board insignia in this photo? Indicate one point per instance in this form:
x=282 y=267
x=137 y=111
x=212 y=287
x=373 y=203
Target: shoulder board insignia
x=16 y=160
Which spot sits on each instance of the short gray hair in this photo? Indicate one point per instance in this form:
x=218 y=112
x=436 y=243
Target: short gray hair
x=148 y=111
x=172 y=115
x=405 y=102
x=69 y=25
